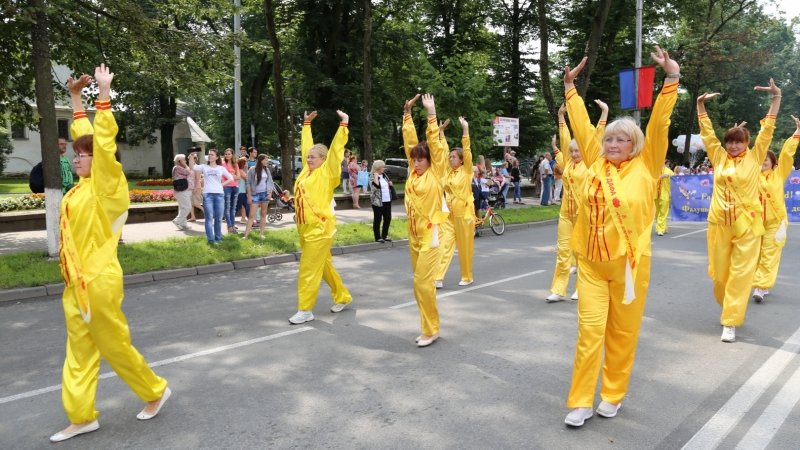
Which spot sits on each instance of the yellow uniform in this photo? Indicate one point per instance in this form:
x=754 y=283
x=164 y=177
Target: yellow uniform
x=735 y=222
x=573 y=178
x=316 y=222
x=423 y=201
x=774 y=205
x=459 y=228
x=613 y=271
x=663 y=200
x=92 y=215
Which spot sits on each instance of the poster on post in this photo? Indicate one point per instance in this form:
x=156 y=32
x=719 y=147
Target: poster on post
x=506 y=131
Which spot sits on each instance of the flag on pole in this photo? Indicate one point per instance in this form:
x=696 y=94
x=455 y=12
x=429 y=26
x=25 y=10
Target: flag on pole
x=628 y=97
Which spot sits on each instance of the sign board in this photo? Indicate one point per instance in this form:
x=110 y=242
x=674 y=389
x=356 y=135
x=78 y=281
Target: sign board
x=506 y=131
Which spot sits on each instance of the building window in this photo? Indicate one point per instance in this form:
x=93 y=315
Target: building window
x=19 y=131
x=63 y=129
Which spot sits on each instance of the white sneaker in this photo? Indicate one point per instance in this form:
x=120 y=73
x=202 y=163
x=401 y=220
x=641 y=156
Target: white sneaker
x=607 y=409
x=338 y=307
x=758 y=294
x=63 y=436
x=439 y=284
x=465 y=282
x=301 y=317
x=573 y=270
x=728 y=334
x=552 y=298
x=575 y=295
x=578 y=416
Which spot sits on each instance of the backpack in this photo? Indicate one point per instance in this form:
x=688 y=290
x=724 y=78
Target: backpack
x=36 y=180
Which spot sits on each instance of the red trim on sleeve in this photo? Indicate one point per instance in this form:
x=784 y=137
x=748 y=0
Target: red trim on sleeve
x=571 y=93
x=432 y=120
x=79 y=115
x=771 y=116
x=307 y=123
x=102 y=105
x=343 y=124
x=702 y=116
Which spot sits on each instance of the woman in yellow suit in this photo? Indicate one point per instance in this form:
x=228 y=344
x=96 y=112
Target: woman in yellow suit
x=92 y=215
x=612 y=241
x=735 y=222
x=663 y=195
x=574 y=174
x=423 y=200
x=459 y=228
x=774 y=172
x=316 y=222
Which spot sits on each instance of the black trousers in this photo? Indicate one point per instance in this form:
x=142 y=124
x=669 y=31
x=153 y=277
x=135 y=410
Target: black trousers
x=381 y=212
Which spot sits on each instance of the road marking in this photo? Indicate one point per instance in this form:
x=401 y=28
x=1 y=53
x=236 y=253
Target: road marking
x=762 y=432
x=687 y=234
x=471 y=288
x=164 y=362
x=718 y=427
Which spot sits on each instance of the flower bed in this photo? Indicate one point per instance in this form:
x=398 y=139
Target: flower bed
x=155 y=182
x=147 y=196
x=36 y=201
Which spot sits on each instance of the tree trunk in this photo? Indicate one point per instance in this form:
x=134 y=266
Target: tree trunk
x=280 y=102
x=596 y=35
x=544 y=60
x=168 y=108
x=367 y=119
x=48 y=126
x=515 y=74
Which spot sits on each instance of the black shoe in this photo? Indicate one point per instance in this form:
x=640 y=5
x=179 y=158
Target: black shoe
x=387 y=239
x=380 y=240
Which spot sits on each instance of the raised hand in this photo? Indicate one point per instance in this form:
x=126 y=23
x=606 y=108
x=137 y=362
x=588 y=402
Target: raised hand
x=603 y=106
x=571 y=74
x=409 y=104
x=773 y=88
x=797 y=123
x=103 y=75
x=464 y=126
x=707 y=96
x=343 y=117
x=739 y=125
x=561 y=111
x=429 y=104
x=553 y=143
x=669 y=65
x=444 y=124
x=309 y=116
x=76 y=86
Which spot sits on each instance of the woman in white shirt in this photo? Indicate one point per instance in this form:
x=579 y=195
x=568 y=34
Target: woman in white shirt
x=259 y=192
x=381 y=200
x=213 y=194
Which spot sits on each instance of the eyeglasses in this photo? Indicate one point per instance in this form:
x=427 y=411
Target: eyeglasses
x=615 y=140
x=80 y=156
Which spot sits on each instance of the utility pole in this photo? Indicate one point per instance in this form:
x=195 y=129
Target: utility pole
x=237 y=75
x=637 y=114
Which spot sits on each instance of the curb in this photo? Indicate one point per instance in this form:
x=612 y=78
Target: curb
x=54 y=291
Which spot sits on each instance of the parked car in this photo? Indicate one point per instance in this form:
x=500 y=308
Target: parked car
x=396 y=169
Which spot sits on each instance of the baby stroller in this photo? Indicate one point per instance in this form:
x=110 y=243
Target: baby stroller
x=496 y=199
x=283 y=199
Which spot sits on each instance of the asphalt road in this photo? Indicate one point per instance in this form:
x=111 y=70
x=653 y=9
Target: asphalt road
x=242 y=377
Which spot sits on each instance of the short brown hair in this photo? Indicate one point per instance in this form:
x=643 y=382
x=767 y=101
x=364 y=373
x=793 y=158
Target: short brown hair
x=737 y=134
x=84 y=144
x=772 y=158
x=421 y=151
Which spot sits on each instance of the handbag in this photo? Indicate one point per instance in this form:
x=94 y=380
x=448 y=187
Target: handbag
x=181 y=184
x=392 y=193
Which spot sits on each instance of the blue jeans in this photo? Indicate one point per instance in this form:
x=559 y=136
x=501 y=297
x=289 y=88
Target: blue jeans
x=231 y=193
x=518 y=190
x=241 y=202
x=546 y=186
x=213 y=205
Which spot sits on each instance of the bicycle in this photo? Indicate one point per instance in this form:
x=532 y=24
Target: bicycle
x=495 y=220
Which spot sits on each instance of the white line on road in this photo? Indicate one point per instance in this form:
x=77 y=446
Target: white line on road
x=687 y=234
x=762 y=432
x=164 y=362
x=718 y=427
x=471 y=288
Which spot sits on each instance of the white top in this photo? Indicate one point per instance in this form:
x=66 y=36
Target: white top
x=212 y=177
x=262 y=187
x=386 y=195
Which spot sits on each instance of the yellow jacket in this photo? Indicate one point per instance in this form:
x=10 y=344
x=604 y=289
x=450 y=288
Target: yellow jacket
x=313 y=191
x=663 y=189
x=423 y=193
x=574 y=173
x=458 y=185
x=94 y=211
x=773 y=182
x=735 y=201
x=595 y=235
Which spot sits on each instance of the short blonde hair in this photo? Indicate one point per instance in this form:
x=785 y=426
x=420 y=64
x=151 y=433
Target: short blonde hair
x=573 y=145
x=377 y=165
x=321 y=149
x=627 y=127
x=178 y=157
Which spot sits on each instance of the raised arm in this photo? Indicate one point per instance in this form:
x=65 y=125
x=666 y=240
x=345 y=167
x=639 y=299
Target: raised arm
x=438 y=163
x=445 y=145
x=466 y=146
x=106 y=171
x=409 y=131
x=333 y=163
x=786 y=158
x=656 y=138
x=306 y=139
x=581 y=125
x=80 y=123
x=764 y=137
x=601 y=124
x=713 y=146
x=564 y=137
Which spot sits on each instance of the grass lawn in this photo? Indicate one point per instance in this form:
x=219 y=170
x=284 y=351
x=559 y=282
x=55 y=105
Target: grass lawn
x=35 y=269
x=20 y=186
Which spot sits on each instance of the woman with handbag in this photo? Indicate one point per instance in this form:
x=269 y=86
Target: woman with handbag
x=180 y=186
x=381 y=200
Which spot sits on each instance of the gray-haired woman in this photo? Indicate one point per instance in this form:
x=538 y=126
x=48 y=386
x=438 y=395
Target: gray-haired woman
x=381 y=200
x=180 y=179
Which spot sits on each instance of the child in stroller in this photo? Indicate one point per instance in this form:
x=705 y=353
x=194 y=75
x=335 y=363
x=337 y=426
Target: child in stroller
x=496 y=198
x=283 y=199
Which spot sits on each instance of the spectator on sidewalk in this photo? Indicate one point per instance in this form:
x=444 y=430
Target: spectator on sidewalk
x=381 y=200
x=352 y=170
x=180 y=179
x=213 y=195
x=67 y=181
x=195 y=185
x=242 y=205
x=346 y=172
x=546 y=173
x=259 y=187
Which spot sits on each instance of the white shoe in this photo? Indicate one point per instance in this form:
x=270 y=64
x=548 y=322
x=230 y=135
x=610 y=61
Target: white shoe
x=660 y=233
x=552 y=298
x=578 y=416
x=575 y=295
x=607 y=409
x=338 y=307
x=164 y=397
x=758 y=294
x=439 y=284
x=728 y=334
x=63 y=435
x=422 y=342
x=465 y=282
x=301 y=317
x=573 y=270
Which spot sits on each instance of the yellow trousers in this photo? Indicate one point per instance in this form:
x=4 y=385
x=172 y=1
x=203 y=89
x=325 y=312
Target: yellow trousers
x=606 y=324
x=424 y=266
x=316 y=264
x=732 y=267
x=106 y=336
x=662 y=212
x=769 y=260
x=459 y=233
x=565 y=257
